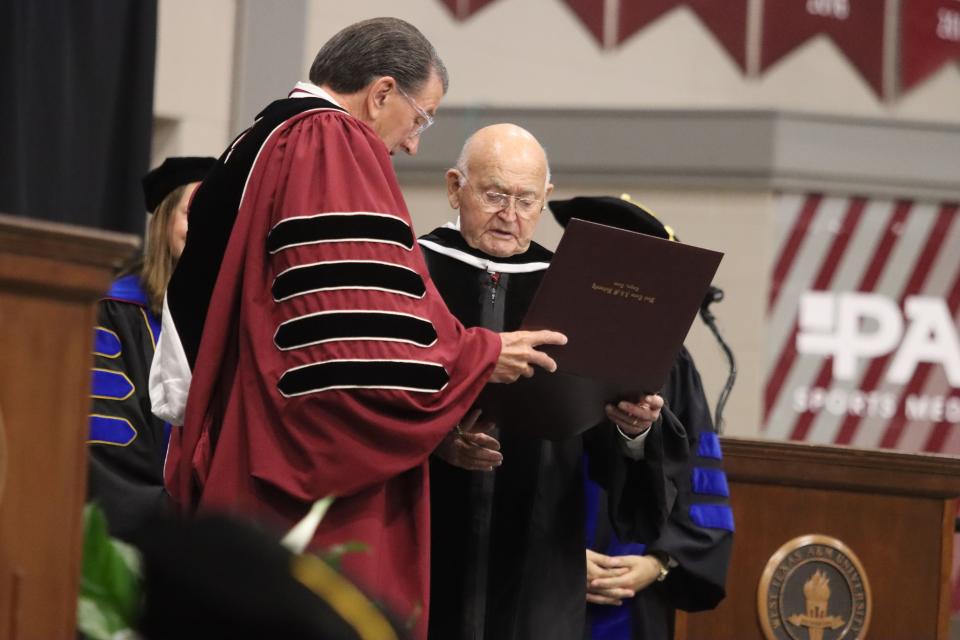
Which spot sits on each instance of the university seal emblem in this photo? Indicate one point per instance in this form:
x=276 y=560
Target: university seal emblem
x=814 y=588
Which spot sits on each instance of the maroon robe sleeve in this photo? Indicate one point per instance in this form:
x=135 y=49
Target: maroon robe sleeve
x=328 y=363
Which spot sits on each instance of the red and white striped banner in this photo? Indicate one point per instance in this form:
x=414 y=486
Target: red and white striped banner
x=864 y=311
x=864 y=307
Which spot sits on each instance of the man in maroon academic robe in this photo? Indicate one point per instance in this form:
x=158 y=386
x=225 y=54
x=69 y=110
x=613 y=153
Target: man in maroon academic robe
x=323 y=360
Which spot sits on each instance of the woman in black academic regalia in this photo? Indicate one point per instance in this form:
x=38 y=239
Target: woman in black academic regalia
x=128 y=443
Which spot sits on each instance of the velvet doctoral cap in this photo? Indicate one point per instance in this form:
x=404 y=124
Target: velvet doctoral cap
x=214 y=576
x=615 y=212
x=173 y=173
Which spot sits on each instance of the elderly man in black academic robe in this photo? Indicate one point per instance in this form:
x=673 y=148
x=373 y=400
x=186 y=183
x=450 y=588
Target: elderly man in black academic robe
x=507 y=509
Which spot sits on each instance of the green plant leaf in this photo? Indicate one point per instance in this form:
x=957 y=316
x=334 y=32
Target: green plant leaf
x=299 y=537
x=109 y=597
x=414 y=616
x=333 y=555
x=96 y=622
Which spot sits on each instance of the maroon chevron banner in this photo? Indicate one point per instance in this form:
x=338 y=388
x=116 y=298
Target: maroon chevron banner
x=463 y=9
x=929 y=30
x=855 y=26
x=591 y=14
x=929 y=38
x=726 y=19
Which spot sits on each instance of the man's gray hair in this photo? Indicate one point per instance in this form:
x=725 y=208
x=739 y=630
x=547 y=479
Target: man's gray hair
x=367 y=50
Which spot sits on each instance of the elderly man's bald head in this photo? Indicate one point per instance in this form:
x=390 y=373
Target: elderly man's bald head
x=500 y=139
x=499 y=185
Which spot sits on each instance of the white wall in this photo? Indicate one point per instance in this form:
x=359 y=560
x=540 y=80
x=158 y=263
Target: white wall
x=194 y=78
x=531 y=53
x=536 y=54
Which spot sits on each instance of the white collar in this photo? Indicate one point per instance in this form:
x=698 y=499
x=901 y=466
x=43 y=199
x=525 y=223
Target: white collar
x=487 y=264
x=310 y=90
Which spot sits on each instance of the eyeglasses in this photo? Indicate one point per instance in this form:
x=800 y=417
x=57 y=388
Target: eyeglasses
x=525 y=206
x=427 y=119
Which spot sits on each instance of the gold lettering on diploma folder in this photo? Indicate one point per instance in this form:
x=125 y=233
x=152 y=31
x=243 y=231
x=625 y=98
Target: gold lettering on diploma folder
x=624 y=290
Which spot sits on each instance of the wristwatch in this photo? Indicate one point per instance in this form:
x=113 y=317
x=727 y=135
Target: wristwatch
x=664 y=563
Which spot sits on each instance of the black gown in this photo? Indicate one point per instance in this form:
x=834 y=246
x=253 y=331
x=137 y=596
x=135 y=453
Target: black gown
x=698 y=534
x=508 y=546
x=127 y=442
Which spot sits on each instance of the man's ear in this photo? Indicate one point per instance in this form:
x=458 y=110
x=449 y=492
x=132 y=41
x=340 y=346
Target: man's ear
x=453 y=188
x=547 y=192
x=377 y=92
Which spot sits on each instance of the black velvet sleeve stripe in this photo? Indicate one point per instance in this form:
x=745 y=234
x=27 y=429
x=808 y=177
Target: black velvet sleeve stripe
x=347 y=274
x=213 y=212
x=328 y=326
x=340 y=227
x=405 y=375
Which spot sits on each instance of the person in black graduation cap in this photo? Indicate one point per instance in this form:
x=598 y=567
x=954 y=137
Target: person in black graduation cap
x=127 y=443
x=686 y=567
x=507 y=511
x=214 y=577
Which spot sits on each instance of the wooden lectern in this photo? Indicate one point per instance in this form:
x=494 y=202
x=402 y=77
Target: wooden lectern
x=894 y=511
x=50 y=279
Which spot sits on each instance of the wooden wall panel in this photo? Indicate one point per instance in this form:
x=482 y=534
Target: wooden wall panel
x=50 y=279
x=894 y=511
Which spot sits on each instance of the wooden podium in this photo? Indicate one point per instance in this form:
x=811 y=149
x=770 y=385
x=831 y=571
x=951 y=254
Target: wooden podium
x=894 y=511
x=50 y=279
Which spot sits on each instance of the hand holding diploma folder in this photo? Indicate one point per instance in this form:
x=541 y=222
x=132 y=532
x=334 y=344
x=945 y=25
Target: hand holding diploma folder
x=626 y=302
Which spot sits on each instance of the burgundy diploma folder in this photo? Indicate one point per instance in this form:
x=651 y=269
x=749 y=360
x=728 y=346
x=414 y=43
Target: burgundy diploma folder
x=626 y=302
